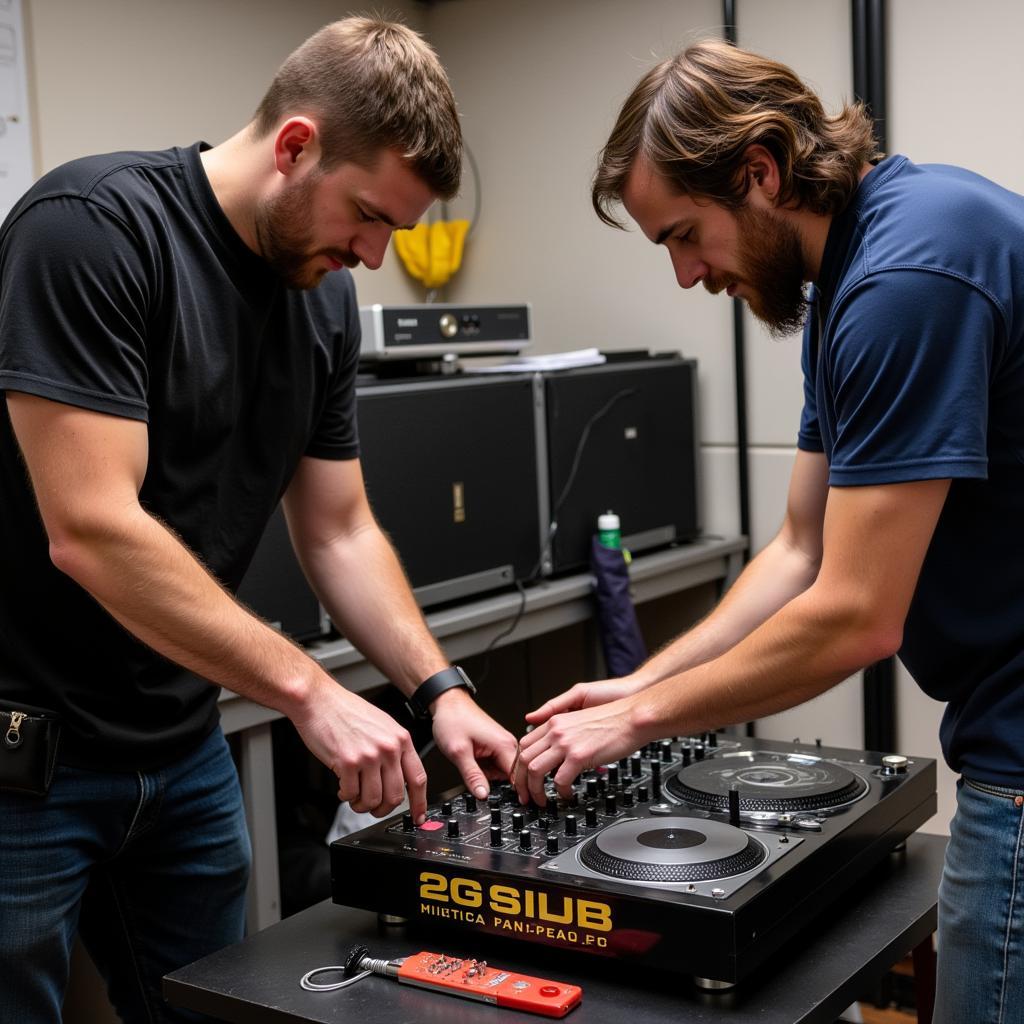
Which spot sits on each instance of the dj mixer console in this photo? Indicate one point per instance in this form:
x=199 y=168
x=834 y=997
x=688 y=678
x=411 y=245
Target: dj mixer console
x=700 y=856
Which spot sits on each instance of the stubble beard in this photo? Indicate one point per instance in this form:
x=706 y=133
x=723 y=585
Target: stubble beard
x=284 y=234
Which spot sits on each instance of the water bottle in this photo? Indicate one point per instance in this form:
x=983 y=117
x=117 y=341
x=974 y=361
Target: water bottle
x=609 y=534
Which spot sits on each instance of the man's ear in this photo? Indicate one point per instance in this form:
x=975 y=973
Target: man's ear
x=762 y=171
x=296 y=144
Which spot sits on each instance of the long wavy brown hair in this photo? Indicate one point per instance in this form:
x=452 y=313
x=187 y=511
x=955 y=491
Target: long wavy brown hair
x=694 y=115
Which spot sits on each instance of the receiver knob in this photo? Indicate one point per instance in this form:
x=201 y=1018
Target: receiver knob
x=448 y=325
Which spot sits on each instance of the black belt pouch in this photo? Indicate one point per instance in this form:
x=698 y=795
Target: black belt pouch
x=28 y=748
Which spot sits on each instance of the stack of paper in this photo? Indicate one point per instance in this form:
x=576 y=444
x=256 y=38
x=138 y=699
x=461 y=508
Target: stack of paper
x=535 y=364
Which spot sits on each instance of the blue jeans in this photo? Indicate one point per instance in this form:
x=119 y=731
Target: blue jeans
x=150 y=867
x=981 y=910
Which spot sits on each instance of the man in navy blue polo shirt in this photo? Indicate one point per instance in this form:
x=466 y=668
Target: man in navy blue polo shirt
x=904 y=530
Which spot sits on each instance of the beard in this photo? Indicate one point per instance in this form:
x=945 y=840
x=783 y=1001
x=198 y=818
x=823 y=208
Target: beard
x=771 y=260
x=284 y=234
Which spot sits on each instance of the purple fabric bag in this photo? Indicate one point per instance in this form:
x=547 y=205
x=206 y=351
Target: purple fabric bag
x=621 y=639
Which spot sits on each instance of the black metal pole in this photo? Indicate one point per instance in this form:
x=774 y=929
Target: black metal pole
x=739 y=348
x=869 y=86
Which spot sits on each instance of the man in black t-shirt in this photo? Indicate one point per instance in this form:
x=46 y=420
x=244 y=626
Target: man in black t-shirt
x=178 y=345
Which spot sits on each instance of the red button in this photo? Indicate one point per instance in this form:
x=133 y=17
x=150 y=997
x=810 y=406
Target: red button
x=549 y=990
x=431 y=826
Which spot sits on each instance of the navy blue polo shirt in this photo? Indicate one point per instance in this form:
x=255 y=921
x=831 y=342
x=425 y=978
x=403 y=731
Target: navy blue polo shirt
x=913 y=363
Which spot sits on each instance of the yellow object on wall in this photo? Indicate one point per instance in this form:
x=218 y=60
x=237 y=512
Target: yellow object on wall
x=432 y=253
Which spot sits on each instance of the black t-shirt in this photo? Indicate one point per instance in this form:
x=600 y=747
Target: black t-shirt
x=125 y=290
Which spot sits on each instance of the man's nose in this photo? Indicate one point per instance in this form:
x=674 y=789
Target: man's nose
x=689 y=271
x=371 y=246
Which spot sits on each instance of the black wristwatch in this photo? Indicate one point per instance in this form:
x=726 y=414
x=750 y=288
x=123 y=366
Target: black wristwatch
x=430 y=689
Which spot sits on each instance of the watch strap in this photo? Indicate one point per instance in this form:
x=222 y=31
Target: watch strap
x=430 y=689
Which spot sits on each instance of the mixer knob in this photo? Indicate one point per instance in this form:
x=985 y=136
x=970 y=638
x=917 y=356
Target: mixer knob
x=407 y=823
x=666 y=750
x=525 y=839
x=613 y=775
x=543 y=824
x=448 y=325
x=453 y=828
x=469 y=802
x=496 y=816
x=894 y=764
x=698 y=752
x=552 y=809
x=552 y=844
x=686 y=757
x=591 y=789
x=602 y=784
x=517 y=821
x=446 y=809
x=609 y=804
x=655 y=771
x=532 y=811
x=642 y=796
x=627 y=798
x=591 y=815
x=494 y=800
x=570 y=824
x=495 y=835
x=713 y=739
x=623 y=763
x=635 y=766
x=509 y=794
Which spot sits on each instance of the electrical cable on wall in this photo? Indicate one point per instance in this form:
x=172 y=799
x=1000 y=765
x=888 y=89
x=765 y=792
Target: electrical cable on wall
x=534 y=574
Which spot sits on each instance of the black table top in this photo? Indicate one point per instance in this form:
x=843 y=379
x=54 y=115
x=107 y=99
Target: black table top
x=810 y=981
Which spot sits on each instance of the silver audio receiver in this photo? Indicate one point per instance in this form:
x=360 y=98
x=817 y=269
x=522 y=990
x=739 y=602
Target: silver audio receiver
x=432 y=330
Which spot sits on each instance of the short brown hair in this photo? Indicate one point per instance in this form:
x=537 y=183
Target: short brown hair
x=693 y=117
x=371 y=85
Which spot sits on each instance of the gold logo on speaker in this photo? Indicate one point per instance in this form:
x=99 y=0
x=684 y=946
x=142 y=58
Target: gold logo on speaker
x=458 y=502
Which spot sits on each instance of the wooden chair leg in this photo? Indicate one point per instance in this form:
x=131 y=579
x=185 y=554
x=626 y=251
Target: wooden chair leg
x=924 y=980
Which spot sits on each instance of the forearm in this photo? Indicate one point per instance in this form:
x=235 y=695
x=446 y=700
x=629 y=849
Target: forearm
x=149 y=581
x=360 y=582
x=776 y=576
x=805 y=648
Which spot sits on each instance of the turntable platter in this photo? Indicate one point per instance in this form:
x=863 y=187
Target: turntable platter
x=672 y=850
x=767 y=781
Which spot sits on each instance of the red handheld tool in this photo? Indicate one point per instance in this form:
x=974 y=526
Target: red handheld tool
x=470 y=979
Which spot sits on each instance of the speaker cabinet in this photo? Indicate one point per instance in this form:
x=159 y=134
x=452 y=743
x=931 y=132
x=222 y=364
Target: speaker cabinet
x=622 y=437
x=452 y=475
